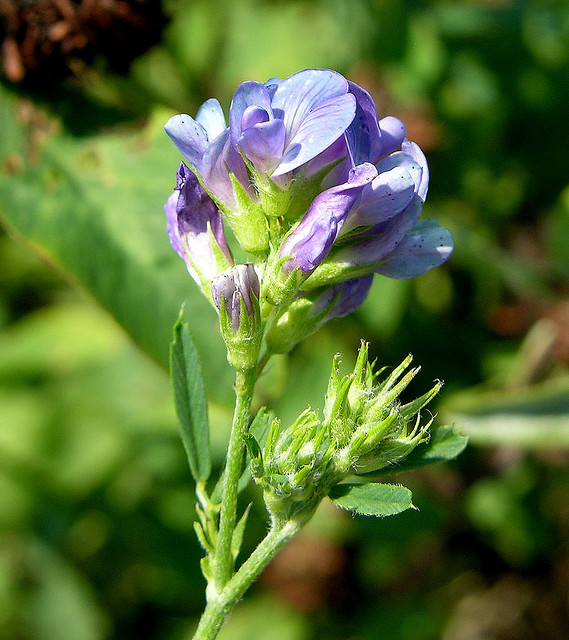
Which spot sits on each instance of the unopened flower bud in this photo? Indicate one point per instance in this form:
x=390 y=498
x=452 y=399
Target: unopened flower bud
x=236 y=293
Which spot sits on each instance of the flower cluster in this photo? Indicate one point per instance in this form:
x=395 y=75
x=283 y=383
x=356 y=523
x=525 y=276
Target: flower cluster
x=364 y=428
x=320 y=191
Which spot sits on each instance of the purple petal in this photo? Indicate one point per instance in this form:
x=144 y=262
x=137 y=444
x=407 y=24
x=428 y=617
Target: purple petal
x=352 y=295
x=425 y=246
x=172 y=224
x=387 y=196
x=338 y=150
x=210 y=115
x=248 y=94
x=311 y=240
x=419 y=157
x=272 y=85
x=189 y=136
x=219 y=157
x=316 y=109
x=363 y=136
x=374 y=245
x=263 y=144
x=197 y=215
x=392 y=135
x=310 y=244
x=233 y=285
x=254 y=115
x=412 y=160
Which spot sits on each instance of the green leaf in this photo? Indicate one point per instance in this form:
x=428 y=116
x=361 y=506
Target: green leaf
x=533 y=417
x=93 y=207
x=372 y=499
x=190 y=399
x=237 y=539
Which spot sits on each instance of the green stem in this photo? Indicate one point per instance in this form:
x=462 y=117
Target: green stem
x=223 y=557
x=219 y=608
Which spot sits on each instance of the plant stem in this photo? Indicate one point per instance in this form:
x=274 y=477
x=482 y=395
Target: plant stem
x=219 y=608
x=223 y=557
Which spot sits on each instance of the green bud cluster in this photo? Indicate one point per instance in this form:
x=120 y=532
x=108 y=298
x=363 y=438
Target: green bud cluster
x=365 y=427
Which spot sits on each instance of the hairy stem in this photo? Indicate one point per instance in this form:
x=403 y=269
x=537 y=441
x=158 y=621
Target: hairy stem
x=219 y=608
x=223 y=558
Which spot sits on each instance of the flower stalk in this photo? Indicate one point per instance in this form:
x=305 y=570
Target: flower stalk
x=223 y=562
x=321 y=195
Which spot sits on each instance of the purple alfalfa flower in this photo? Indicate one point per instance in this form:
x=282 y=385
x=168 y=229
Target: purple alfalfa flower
x=235 y=293
x=367 y=139
x=372 y=195
x=393 y=240
x=401 y=248
x=311 y=240
x=402 y=177
x=205 y=143
x=195 y=229
x=283 y=124
x=381 y=232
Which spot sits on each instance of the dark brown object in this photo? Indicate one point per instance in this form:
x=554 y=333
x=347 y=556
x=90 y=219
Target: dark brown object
x=45 y=41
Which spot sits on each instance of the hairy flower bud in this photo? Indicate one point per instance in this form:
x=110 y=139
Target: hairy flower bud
x=236 y=293
x=365 y=427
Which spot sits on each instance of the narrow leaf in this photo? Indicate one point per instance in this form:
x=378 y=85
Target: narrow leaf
x=372 y=499
x=237 y=539
x=190 y=400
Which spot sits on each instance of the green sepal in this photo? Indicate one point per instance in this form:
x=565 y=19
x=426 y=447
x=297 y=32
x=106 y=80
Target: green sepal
x=202 y=538
x=390 y=450
x=303 y=190
x=329 y=273
x=295 y=323
x=371 y=499
x=280 y=286
x=274 y=200
x=255 y=455
x=248 y=222
x=205 y=566
x=243 y=345
x=190 y=400
x=413 y=407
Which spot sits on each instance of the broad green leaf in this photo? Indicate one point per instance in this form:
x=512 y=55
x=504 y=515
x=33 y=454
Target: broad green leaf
x=372 y=499
x=190 y=399
x=93 y=207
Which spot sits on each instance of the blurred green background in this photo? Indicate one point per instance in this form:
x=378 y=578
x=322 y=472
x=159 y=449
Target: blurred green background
x=96 y=505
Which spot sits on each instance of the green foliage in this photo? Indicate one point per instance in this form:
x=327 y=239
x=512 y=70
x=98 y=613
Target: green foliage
x=372 y=499
x=190 y=400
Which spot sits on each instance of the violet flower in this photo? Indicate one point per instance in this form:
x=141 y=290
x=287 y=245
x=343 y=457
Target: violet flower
x=206 y=145
x=195 y=228
x=378 y=230
x=314 y=184
x=310 y=242
x=283 y=124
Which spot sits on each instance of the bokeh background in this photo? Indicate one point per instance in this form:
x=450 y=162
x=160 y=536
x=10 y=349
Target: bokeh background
x=96 y=505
